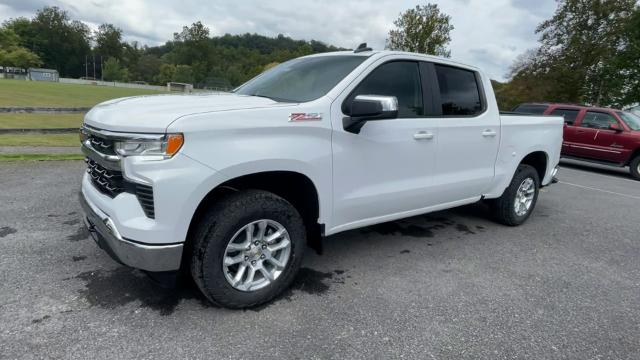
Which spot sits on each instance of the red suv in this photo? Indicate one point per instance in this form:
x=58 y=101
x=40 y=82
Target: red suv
x=595 y=134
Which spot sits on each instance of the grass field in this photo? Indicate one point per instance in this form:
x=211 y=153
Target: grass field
x=33 y=93
x=39 y=140
x=39 y=121
x=39 y=157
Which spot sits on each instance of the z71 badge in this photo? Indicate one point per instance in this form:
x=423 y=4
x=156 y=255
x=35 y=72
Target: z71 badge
x=305 y=117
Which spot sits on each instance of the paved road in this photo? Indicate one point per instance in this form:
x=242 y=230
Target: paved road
x=452 y=285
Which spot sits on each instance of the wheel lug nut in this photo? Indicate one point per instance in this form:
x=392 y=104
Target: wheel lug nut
x=253 y=262
x=262 y=256
x=256 y=243
x=246 y=258
x=264 y=246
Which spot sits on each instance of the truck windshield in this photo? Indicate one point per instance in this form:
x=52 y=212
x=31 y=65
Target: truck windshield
x=632 y=120
x=301 y=80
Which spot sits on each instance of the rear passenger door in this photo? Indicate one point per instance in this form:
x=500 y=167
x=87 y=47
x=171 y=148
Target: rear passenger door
x=468 y=135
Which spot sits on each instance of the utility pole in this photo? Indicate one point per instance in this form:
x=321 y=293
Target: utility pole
x=94 y=66
x=86 y=67
x=101 y=65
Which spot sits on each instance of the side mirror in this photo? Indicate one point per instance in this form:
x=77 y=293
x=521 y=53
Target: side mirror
x=368 y=108
x=615 y=127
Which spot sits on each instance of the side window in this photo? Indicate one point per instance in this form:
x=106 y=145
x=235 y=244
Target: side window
x=531 y=109
x=459 y=92
x=400 y=79
x=597 y=120
x=568 y=114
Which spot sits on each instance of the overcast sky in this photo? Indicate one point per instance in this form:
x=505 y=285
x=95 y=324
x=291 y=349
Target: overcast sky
x=488 y=34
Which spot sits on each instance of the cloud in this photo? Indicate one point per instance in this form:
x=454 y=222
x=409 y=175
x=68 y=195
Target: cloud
x=487 y=34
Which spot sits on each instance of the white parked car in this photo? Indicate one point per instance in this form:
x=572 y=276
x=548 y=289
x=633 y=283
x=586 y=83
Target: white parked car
x=232 y=186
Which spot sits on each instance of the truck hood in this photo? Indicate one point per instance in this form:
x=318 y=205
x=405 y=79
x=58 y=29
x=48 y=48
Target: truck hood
x=154 y=113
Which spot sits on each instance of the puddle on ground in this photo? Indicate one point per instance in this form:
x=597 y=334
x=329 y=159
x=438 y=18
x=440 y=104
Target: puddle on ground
x=119 y=287
x=309 y=281
x=122 y=286
x=5 y=230
x=418 y=227
x=81 y=234
x=78 y=258
x=464 y=229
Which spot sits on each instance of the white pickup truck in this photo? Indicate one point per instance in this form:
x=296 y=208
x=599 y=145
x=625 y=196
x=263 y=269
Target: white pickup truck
x=232 y=186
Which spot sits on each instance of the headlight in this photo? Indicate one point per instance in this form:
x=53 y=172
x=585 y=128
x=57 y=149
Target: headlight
x=162 y=148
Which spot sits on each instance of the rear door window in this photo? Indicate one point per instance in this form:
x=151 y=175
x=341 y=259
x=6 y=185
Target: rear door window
x=570 y=115
x=531 y=109
x=597 y=120
x=459 y=91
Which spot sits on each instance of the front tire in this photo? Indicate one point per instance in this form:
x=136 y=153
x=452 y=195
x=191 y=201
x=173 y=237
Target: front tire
x=519 y=199
x=635 y=167
x=247 y=249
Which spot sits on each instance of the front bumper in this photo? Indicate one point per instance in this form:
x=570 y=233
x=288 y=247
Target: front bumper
x=154 y=258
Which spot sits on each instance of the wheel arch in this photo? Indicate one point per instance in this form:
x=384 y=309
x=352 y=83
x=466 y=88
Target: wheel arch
x=295 y=187
x=539 y=160
x=634 y=155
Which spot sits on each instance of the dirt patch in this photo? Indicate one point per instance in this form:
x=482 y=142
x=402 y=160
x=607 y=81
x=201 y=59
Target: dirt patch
x=71 y=222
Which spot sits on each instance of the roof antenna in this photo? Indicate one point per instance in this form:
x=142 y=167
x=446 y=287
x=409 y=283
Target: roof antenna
x=362 y=47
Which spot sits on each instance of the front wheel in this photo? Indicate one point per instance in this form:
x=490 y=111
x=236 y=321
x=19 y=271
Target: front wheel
x=247 y=249
x=634 y=166
x=519 y=199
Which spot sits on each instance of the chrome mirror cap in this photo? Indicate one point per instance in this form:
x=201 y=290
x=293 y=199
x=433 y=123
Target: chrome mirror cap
x=388 y=103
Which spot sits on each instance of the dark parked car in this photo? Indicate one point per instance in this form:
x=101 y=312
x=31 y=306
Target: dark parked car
x=594 y=134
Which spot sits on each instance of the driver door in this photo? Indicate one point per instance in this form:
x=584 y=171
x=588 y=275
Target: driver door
x=384 y=172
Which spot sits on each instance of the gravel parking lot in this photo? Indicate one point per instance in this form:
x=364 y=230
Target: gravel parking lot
x=450 y=285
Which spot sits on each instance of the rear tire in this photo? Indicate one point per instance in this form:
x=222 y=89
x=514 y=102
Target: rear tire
x=635 y=167
x=243 y=220
x=519 y=199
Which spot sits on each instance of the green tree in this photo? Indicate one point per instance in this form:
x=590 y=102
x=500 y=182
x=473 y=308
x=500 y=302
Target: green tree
x=12 y=54
x=423 y=30
x=165 y=74
x=146 y=68
x=109 y=42
x=8 y=38
x=60 y=43
x=197 y=32
x=112 y=71
x=19 y=57
x=579 y=58
x=183 y=74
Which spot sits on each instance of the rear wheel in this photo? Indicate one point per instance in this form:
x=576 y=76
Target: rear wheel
x=247 y=249
x=635 y=167
x=519 y=199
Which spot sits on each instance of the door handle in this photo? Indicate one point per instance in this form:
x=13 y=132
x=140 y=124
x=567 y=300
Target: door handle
x=489 y=133
x=423 y=135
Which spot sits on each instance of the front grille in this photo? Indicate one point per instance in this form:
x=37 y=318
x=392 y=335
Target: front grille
x=108 y=182
x=111 y=183
x=145 y=197
x=102 y=145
